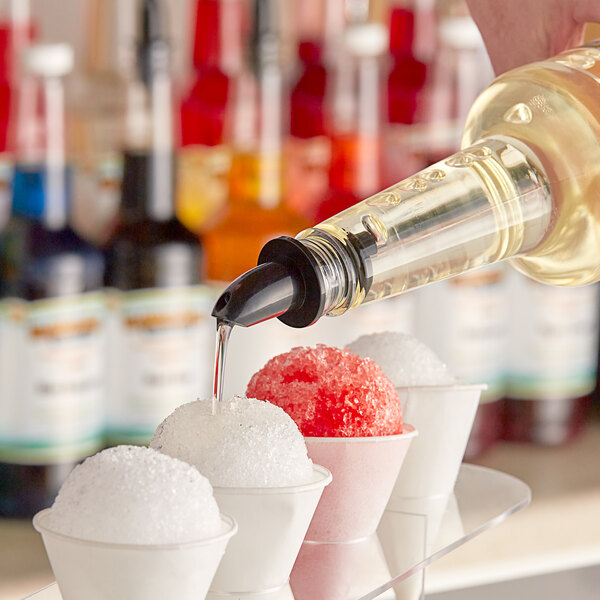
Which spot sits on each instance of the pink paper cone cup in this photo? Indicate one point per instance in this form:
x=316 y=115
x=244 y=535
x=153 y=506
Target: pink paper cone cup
x=364 y=470
x=338 y=570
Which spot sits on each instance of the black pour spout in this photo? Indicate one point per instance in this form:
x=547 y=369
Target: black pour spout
x=287 y=284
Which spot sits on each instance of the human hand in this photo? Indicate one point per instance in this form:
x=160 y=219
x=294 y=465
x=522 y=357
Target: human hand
x=517 y=32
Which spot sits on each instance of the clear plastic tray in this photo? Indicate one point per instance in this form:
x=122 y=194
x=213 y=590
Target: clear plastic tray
x=482 y=498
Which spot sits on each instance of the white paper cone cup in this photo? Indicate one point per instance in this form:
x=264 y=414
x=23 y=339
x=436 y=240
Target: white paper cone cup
x=98 y=570
x=431 y=509
x=364 y=470
x=272 y=523
x=403 y=537
x=444 y=416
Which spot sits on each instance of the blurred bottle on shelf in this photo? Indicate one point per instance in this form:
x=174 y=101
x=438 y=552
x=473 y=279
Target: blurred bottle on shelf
x=256 y=209
x=553 y=354
x=356 y=112
x=205 y=155
x=52 y=326
x=321 y=26
x=16 y=33
x=472 y=337
x=97 y=104
x=406 y=79
x=355 y=106
x=465 y=321
x=160 y=333
x=459 y=73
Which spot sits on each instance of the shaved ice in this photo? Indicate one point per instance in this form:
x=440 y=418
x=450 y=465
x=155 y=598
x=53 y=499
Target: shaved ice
x=330 y=392
x=407 y=361
x=135 y=495
x=247 y=443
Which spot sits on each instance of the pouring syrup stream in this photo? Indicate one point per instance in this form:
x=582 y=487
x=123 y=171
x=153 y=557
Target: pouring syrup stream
x=223 y=332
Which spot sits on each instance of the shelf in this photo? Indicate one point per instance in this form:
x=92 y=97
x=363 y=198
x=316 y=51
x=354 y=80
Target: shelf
x=483 y=498
x=560 y=529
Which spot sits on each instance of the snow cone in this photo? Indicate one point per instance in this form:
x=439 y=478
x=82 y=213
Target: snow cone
x=443 y=409
x=256 y=459
x=351 y=417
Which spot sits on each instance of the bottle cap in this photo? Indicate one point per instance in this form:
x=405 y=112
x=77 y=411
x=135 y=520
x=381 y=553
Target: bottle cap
x=460 y=32
x=49 y=60
x=366 y=39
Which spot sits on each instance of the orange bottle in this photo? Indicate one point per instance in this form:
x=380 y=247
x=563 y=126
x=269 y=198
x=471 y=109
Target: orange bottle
x=256 y=211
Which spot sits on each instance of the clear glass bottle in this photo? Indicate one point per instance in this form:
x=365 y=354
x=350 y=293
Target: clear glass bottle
x=524 y=187
x=52 y=326
x=159 y=333
x=97 y=103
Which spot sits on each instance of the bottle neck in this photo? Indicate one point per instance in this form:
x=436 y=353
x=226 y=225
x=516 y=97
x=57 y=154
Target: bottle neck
x=147 y=186
x=484 y=204
x=256 y=176
x=356 y=153
x=218 y=35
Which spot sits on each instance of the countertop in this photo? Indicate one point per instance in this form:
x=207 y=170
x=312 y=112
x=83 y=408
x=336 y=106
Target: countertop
x=559 y=530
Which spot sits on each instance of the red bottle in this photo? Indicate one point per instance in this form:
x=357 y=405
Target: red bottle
x=309 y=147
x=356 y=107
x=406 y=80
x=205 y=157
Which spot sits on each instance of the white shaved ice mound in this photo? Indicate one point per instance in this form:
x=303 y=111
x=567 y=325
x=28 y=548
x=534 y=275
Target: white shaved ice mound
x=404 y=359
x=135 y=495
x=247 y=443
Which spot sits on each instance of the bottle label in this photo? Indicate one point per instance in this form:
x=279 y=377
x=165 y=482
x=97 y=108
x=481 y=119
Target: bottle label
x=161 y=351
x=52 y=378
x=202 y=183
x=554 y=340
x=465 y=321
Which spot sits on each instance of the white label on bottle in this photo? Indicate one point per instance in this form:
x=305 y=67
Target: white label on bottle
x=465 y=321
x=52 y=383
x=554 y=340
x=161 y=352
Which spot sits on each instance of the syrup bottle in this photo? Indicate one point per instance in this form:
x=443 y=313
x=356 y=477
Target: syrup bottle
x=523 y=188
x=356 y=157
x=405 y=136
x=309 y=144
x=52 y=326
x=158 y=322
x=97 y=104
x=552 y=363
x=205 y=155
x=465 y=319
x=256 y=210
x=16 y=33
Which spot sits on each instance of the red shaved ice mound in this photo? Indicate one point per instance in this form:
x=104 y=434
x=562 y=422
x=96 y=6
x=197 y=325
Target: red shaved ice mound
x=330 y=392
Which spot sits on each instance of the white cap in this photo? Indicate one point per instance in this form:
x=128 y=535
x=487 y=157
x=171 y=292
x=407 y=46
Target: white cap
x=366 y=39
x=460 y=32
x=49 y=60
